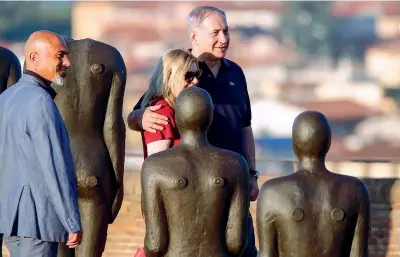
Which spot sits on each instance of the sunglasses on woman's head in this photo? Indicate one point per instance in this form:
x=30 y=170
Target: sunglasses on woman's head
x=190 y=75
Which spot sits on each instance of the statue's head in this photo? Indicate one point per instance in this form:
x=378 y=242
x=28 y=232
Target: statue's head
x=311 y=135
x=193 y=110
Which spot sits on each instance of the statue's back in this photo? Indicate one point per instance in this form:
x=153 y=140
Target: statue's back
x=197 y=186
x=319 y=210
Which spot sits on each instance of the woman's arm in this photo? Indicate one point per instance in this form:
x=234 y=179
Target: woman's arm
x=158 y=146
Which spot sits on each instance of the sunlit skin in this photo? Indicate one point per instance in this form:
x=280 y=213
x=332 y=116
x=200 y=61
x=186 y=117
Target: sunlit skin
x=46 y=54
x=212 y=37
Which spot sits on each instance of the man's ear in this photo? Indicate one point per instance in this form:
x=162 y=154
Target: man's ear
x=33 y=57
x=193 y=36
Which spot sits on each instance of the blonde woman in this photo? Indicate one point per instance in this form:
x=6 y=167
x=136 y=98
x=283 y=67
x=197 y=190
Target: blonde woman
x=177 y=69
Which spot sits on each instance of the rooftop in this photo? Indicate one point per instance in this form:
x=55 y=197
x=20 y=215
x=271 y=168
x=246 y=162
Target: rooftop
x=339 y=110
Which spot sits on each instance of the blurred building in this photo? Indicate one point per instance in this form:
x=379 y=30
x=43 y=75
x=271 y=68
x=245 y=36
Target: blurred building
x=348 y=95
x=383 y=62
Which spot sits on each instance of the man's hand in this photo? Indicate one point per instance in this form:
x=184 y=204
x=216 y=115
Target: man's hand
x=254 y=190
x=150 y=120
x=74 y=239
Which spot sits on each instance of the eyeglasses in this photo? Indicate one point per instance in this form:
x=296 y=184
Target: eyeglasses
x=190 y=75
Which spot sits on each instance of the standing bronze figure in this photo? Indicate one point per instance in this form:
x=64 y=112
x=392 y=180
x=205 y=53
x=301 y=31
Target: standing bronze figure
x=195 y=196
x=10 y=73
x=90 y=102
x=313 y=212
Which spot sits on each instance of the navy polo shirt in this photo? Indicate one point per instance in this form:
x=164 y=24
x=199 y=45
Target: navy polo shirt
x=232 y=111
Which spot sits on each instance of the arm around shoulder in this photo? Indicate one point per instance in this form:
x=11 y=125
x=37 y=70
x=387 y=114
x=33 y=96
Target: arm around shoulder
x=135 y=119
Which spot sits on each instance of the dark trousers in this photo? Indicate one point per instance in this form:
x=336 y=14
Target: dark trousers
x=251 y=250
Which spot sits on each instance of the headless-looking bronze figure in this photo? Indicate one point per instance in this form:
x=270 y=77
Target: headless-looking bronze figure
x=313 y=212
x=90 y=102
x=195 y=196
x=10 y=73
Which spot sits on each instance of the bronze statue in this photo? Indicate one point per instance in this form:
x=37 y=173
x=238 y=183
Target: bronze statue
x=313 y=212
x=90 y=102
x=10 y=73
x=195 y=196
x=10 y=69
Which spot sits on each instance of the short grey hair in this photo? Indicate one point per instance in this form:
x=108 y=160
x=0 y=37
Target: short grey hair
x=199 y=14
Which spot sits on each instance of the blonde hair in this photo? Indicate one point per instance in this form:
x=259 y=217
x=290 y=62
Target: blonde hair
x=170 y=69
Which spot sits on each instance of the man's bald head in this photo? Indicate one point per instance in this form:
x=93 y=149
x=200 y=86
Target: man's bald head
x=46 y=54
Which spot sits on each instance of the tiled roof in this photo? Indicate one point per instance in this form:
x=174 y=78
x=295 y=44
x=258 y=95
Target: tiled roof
x=340 y=109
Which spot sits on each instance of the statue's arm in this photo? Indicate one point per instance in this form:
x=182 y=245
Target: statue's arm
x=156 y=239
x=267 y=235
x=236 y=231
x=359 y=247
x=114 y=137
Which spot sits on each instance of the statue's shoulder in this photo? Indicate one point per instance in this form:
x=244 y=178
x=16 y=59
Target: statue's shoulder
x=349 y=181
x=160 y=160
x=278 y=183
x=275 y=192
x=227 y=155
x=151 y=163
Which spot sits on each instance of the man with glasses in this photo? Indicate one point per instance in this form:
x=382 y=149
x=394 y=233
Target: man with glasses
x=225 y=81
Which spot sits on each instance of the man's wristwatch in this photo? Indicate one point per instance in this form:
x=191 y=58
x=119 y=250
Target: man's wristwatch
x=254 y=173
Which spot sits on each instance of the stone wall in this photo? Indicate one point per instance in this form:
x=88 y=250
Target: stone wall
x=127 y=233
